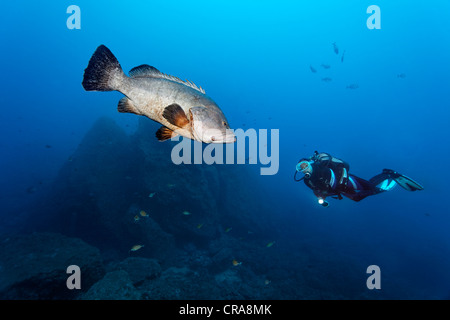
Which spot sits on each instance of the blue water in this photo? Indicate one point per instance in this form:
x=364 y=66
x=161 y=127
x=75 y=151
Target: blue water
x=253 y=58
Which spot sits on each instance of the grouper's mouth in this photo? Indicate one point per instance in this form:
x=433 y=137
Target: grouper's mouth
x=213 y=135
x=209 y=130
x=229 y=138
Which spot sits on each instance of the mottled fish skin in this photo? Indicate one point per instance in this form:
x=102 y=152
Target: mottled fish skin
x=152 y=95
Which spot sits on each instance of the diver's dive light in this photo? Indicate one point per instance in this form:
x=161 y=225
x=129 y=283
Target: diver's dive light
x=322 y=202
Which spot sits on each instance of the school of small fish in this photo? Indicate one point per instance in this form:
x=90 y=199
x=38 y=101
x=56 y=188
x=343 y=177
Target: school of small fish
x=326 y=67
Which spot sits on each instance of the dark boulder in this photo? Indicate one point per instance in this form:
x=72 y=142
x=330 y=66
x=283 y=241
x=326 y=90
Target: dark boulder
x=140 y=269
x=35 y=266
x=115 y=285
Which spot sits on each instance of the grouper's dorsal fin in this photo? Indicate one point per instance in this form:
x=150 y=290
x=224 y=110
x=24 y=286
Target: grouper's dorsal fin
x=146 y=71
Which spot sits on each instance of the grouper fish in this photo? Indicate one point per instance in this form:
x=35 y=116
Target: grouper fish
x=180 y=106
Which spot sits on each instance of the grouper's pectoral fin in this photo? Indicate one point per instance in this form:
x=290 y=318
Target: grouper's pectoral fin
x=165 y=133
x=175 y=115
x=126 y=105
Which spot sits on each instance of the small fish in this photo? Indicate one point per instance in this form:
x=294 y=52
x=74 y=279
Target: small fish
x=270 y=244
x=143 y=213
x=136 y=218
x=335 y=48
x=325 y=66
x=181 y=107
x=136 y=247
x=171 y=185
x=326 y=79
x=312 y=69
x=228 y=229
x=199 y=225
x=342 y=58
x=401 y=75
x=186 y=213
x=236 y=263
x=151 y=195
x=48 y=146
x=267 y=282
x=352 y=86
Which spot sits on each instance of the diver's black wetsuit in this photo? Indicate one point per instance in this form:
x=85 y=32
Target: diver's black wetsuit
x=330 y=177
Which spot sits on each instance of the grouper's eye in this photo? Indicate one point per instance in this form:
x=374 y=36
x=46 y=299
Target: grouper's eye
x=224 y=123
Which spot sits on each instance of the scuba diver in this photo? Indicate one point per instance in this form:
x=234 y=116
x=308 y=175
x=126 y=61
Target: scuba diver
x=328 y=176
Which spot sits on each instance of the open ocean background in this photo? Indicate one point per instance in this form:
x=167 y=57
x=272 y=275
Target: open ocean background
x=253 y=58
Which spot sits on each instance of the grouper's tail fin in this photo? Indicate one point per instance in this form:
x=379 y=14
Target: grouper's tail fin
x=103 y=72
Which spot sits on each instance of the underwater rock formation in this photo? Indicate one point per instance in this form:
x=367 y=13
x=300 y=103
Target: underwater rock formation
x=35 y=266
x=115 y=285
x=164 y=231
x=112 y=176
x=180 y=283
x=140 y=269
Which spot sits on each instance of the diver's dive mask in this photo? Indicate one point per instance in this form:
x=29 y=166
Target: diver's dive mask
x=305 y=167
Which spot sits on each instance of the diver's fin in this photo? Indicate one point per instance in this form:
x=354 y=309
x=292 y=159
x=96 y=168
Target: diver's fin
x=165 y=133
x=387 y=184
x=404 y=181
x=103 y=72
x=175 y=115
x=408 y=183
x=126 y=105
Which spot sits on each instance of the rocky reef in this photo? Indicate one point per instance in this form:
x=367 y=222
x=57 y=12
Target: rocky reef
x=35 y=266
x=118 y=191
x=111 y=177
